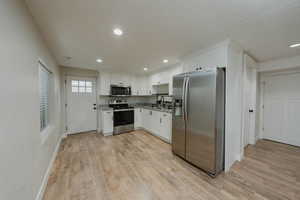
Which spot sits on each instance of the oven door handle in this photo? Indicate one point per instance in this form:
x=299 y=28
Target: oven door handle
x=120 y=110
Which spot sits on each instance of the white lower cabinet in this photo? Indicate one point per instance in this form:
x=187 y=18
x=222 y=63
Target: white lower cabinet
x=156 y=122
x=104 y=83
x=107 y=122
x=147 y=120
x=138 y=118
x=166 y=126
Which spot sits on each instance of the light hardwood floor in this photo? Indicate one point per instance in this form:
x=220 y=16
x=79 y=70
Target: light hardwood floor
x=138 y=166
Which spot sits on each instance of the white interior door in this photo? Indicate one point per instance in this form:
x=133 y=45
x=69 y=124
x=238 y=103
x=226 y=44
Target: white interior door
x=81 y=104
x=282 y=108
x=249 y=102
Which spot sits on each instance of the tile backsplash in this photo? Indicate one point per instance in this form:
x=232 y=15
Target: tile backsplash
x=131 y=100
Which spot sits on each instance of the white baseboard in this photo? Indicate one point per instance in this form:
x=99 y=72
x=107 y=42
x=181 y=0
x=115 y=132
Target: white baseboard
x=47 y=174
x=158 y=136
x=108 y=134
x=239 y=157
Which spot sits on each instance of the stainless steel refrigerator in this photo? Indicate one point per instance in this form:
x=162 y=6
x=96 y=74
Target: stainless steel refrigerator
x=199 y=118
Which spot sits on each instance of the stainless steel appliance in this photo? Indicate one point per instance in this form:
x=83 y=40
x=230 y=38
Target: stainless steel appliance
x=199 y=118
x=119 y=90
x=123 y=117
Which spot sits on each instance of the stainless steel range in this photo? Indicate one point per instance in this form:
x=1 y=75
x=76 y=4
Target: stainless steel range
x=123 y=117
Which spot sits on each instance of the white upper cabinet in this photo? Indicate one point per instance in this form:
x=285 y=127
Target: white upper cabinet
x=160 y=78
x=120 y=79
x=135 y=86
x=148 y=86
x=155 y=79
x=126 y=79
x=104 y=83
x=115 y=79
x=165 y=77
x=140 y=85
x=144 y=86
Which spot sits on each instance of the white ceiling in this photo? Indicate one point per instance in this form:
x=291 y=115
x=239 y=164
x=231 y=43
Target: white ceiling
x=158 y=29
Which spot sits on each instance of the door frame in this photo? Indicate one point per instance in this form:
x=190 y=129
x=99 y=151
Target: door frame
x=65 y=102
x=248 y=63
x=262 y=93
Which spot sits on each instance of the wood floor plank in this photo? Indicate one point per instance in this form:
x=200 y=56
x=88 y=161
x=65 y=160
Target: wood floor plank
x=138 y=166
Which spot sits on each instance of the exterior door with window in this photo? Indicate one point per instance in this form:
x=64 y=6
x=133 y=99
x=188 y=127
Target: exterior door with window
x=81 y=104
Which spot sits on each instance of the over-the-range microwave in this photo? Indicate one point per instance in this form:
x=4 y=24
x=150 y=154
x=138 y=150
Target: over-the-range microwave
x=118 y=90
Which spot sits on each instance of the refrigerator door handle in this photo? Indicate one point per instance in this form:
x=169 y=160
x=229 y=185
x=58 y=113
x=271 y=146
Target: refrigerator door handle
x=183 y=98
x=187 y=82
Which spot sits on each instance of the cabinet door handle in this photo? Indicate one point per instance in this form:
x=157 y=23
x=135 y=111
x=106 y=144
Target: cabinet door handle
x=160 y=120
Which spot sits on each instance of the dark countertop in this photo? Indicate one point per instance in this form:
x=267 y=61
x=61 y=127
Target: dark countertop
x=145 y=106
x=150 y=107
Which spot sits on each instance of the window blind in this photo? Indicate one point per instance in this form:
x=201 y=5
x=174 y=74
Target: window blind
x=44 y=88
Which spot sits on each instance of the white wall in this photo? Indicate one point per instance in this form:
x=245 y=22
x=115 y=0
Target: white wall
x=214 y=56
x=249 y=85
x=24 y=156
x=233 y=123
x=280 y=64
x=259 y=101
x=249 y=97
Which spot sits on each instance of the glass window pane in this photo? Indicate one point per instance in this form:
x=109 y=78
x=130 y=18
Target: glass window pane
x=81 y=89
x=89 y=90
x=74 y=89
x=74 y=83
x=82 y=83
x=44 y=94
x=88 y=83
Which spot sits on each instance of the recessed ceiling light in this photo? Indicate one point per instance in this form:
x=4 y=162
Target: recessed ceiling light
x=165 y=61
x=145 y=69
x=99 y=60
x=118 y=32
x=295 y=45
